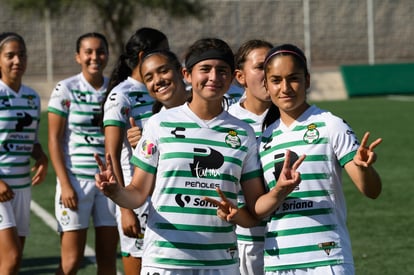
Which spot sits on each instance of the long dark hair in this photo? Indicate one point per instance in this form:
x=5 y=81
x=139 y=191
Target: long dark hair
x=143 y=40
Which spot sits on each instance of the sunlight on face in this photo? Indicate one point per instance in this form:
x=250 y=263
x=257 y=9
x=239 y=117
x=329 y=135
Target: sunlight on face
x=287 y=83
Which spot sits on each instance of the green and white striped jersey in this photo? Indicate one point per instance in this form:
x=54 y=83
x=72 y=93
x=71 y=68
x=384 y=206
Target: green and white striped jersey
x=191 y=158
x=129 y=98
x=253 y=234
x=77 y=101
x=309 y=228
x=19 y=122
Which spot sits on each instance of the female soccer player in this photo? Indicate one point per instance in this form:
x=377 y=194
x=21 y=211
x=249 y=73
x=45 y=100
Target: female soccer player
x=185 y=154
x=74 y=137
x=20 y=117
x=307 y=234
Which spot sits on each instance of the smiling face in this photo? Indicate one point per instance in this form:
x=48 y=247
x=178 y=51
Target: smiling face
x=13 y=62
x=210 y=79
x=163 y=80
x=92 y=56
x=287 y=82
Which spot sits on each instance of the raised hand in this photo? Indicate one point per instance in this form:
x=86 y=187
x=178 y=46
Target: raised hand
x=366 y=156
x=226 y=210
x=105 y=180
x=289 y=178
x=134 y=133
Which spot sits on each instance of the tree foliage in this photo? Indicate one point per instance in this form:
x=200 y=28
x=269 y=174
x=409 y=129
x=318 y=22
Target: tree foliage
x=116 y=16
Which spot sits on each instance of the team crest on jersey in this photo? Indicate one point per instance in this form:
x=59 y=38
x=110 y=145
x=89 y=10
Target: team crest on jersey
x=232 y=139
x=148 y=149
x=311 y=135
x=64 y=219
x=31 y=102
x=139 y=242
x=1 y=218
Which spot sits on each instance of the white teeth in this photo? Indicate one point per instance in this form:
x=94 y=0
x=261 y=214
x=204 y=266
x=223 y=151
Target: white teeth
x=162 y=89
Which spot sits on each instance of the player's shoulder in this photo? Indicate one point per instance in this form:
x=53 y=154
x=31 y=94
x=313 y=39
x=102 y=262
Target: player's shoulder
x=29 y=91
x=237 y=123
x=326 y=116
x=71 y=80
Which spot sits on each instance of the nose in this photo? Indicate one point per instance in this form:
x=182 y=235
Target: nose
x=213 y=74
x=94 y=55
x=285 y=85
x=158 y=79
x=17 y=59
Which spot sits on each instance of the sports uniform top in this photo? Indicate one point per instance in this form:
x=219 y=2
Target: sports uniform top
x=190 y=158
x=255 y=121
x=80 y=103
x=129 y=98
x=19 y=123
x=253 y=234
x=309 y=228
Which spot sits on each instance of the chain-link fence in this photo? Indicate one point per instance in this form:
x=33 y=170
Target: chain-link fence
x=332 y=32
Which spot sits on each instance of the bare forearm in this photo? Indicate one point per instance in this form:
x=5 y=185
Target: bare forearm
x=368 y=181
x=270 y=202
x=244 y=218
x=37 y=152
x=128 y=198
x=58 y=161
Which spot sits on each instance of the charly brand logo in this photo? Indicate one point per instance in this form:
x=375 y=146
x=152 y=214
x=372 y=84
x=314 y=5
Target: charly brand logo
x=177 y=132
x=1 y=218
x=206 y=164
x=5 y=102
x=81 y=96
x=312 y=134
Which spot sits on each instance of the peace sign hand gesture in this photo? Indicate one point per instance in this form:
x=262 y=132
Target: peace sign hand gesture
x=105 y=180
x=226 y=210
x=366 y=156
